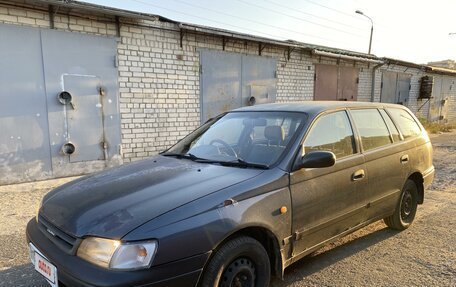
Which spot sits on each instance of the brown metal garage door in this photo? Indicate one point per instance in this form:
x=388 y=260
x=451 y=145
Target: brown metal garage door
x=325 y=82
x=335 y=83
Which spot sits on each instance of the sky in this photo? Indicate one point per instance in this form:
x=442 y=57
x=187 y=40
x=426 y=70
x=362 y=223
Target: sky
x=411 y=30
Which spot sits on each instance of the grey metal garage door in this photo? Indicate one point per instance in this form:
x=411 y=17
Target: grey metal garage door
x=24 y=133
x=395 y=88
x=81 y=64
x=439 y=103
x=42 y=63
x=230 y=80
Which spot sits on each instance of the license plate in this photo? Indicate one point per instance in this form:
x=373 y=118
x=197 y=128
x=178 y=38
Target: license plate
x=44 y=267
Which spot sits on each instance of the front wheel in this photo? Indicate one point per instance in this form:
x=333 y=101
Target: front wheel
x=406 y=208
x=240 y=262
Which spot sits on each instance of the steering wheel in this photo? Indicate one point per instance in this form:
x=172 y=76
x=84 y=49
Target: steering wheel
x=227 y=146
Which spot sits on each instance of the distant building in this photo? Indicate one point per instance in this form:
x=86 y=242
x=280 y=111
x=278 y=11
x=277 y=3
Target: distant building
x=448 y=64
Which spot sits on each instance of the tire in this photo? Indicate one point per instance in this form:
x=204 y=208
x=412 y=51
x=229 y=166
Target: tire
x=406 y=207
x=240 y=262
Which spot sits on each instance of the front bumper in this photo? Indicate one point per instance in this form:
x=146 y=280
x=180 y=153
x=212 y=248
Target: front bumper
x=73 y=271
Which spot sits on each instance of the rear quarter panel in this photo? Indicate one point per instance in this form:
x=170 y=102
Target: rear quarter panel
x=421 y=159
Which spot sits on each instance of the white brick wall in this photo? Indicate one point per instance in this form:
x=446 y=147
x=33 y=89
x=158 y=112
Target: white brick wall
x=159 y=93
x=159 y=80
x=365 y=82
x=295 y=77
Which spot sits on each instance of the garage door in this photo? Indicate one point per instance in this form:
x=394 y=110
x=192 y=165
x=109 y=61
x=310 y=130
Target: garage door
x=24 y=135
x=439 y=103
x=231 y=80
x=84 y=66
x=335 y=83
x=35 y=123
x=395 y=88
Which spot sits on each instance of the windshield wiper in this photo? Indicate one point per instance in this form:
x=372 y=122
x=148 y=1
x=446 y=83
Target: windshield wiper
x=238 y=162
x=242 y=163
x=180 y=155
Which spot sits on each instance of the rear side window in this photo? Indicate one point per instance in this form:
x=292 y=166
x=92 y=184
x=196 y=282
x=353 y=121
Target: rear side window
x=371 y=127
x=331 y=132
x=407 y=125
x=393 y=130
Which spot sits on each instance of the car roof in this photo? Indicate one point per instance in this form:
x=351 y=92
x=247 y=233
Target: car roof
x=313 y=107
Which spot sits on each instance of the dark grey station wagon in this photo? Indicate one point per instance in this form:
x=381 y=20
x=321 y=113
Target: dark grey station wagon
x=238 y=200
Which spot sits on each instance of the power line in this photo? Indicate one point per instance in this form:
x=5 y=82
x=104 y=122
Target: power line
x=332 y=9
x=226 y=24
x=313 y=15
x=300 y=19
x=377 y=23
x=206 y=19
x=253 y=21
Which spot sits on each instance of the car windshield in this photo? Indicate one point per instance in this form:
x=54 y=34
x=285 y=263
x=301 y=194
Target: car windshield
x=257 y=139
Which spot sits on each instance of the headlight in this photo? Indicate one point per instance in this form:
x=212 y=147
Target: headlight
x=98 y=251
x=113 y=254
x=134 y=255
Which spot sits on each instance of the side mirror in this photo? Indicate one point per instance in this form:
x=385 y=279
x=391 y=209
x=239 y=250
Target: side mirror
x=318 y=159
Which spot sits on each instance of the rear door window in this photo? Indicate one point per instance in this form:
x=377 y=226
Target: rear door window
x=331 y=132
x=371 y=127
x=406 y=123
x=393 y=129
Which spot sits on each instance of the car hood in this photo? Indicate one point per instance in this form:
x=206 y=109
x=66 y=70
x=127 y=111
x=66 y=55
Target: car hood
x=114 y=202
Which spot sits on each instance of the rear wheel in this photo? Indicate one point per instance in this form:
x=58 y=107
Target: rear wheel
x=241 y=262
x=406 y=208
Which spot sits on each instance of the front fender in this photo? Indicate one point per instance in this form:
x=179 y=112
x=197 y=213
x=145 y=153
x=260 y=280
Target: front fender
x=204 y=231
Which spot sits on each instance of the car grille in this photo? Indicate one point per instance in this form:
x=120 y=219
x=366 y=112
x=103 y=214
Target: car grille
x=64 y=241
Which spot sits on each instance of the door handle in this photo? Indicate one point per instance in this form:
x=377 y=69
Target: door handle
x=358 y=175
x=404 y=158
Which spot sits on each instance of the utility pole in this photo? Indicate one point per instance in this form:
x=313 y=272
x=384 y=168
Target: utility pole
x=372 y=27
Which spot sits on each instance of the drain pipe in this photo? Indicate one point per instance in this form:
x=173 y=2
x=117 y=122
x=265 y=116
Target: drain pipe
x=374 y=69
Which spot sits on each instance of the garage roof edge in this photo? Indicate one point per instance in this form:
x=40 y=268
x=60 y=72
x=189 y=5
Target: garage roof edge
x=332 y=52
x=312 y=48
x=103 y=9
x=424 y=68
